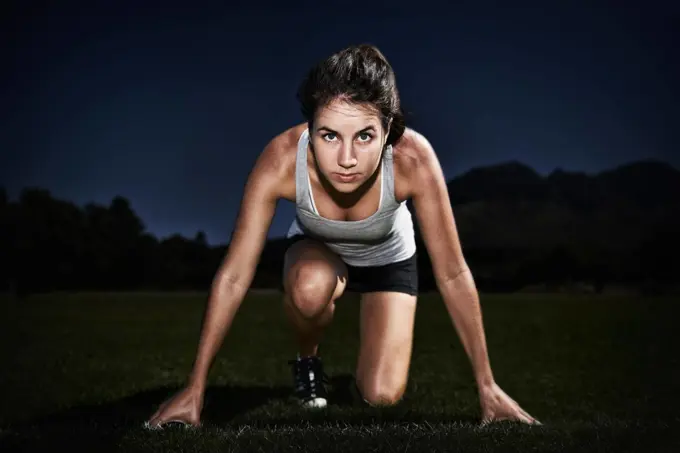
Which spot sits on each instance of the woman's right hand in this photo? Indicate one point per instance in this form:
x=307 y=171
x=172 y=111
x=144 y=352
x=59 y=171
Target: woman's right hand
x=183 y=407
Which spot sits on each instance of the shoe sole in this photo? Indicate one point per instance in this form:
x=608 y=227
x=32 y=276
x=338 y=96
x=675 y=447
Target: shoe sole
x=315 y=403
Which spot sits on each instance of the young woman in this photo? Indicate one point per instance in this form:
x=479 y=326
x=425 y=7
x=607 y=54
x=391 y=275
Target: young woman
x=349 y=169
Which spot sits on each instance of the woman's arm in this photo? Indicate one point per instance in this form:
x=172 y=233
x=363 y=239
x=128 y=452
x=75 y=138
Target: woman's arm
x=428 y=190
x=265 y=185
x=452 y=274
x=270 y=179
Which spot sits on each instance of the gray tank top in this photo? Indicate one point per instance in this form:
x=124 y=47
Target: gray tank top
x=385 y=237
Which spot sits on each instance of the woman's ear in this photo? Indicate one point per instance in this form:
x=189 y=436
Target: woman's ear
x=387 y=131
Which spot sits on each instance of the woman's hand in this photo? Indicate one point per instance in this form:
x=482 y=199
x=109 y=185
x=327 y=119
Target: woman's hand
x=184 y=407
x=497 y=406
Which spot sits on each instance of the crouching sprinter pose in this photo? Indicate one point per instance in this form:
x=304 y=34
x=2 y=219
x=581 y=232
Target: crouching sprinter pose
x=349 y=168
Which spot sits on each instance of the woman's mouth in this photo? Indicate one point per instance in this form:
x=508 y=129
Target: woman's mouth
x=346 y=177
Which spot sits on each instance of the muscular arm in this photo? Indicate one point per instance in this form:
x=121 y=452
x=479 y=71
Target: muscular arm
x=265 y=185
x=453 y=276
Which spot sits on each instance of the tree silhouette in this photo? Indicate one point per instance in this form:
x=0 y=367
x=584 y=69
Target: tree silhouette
x=517 y=229
x=6 y=242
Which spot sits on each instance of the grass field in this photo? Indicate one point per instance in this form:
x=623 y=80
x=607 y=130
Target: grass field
x=84 y=371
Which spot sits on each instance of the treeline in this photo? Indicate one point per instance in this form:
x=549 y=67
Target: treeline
x=518 y=229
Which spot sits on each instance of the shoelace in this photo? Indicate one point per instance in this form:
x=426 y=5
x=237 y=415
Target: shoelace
x=303 y=367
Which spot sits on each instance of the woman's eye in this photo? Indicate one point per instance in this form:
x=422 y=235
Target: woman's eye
x=364 y=137
x=329 y=137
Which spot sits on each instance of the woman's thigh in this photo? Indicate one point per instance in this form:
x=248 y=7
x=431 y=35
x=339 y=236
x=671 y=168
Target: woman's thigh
x=386 y=342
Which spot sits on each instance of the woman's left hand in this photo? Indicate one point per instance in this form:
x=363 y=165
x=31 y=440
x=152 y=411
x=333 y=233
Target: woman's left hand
x=497 y=406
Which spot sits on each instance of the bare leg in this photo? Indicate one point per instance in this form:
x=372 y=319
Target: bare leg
x=314 y=277
x=387 y=321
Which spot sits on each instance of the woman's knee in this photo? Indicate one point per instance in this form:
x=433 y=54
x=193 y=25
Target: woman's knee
x=377 y=392
x=311 y=290
x=314 y=278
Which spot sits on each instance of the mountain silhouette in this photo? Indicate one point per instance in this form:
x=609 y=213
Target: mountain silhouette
x=517 y=228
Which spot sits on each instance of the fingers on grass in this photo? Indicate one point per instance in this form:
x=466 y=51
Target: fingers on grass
x=158 y=411
x=152 y=425
x=532 y=420
x=158 y=424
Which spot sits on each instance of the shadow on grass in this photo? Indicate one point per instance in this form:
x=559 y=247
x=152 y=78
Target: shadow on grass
x=101 y=427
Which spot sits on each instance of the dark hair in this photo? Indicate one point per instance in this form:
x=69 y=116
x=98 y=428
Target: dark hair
x=359 y=74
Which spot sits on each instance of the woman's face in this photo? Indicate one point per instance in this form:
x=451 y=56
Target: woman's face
x=347 y=140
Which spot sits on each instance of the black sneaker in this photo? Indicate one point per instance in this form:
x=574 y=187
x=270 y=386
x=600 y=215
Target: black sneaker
x=309 y=381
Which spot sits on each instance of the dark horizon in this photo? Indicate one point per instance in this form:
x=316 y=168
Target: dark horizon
x=517 y=229
x=287 y=206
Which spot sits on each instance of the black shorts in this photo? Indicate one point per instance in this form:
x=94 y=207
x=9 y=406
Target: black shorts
x=401 y=276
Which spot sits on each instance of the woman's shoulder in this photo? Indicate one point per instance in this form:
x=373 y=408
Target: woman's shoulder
x=414 y=162
x=289 y=138
x=277 y=160
x=281 y=150
x=411 y=148
x=284 y=145
x=412 y=152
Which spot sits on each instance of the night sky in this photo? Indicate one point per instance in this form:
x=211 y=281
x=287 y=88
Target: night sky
x=170 y=107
